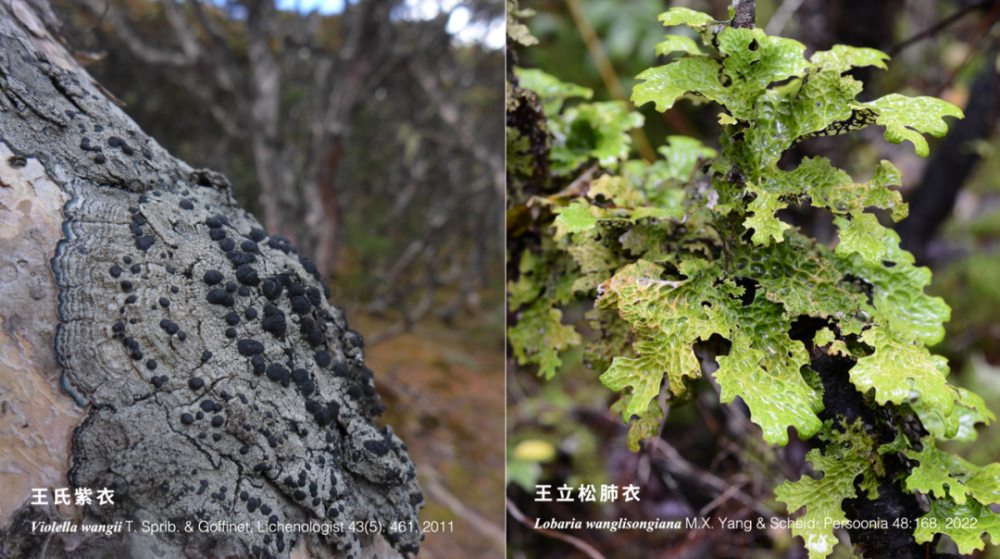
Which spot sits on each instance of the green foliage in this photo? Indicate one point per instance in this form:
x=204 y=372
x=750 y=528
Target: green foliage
x=908 y=119
x=964 y=524
x=898 y=367
x=551 y=91
x=961 y=425
x=690 y=248
x=517 y=146
x=669 y=316
x=677 y=43
x=592 y=130
x=898 y=292
x=938 y=469
x=848 y=456
x=539 y=336
x=588 y=130
x=574 y=218
x=681 y=155
x=645 y=425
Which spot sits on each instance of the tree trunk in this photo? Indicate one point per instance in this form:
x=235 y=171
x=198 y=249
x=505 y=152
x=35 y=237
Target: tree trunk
x=158 y=343
x=954 y=161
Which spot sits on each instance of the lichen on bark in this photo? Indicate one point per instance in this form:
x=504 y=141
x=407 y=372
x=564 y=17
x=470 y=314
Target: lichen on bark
x=219 y=384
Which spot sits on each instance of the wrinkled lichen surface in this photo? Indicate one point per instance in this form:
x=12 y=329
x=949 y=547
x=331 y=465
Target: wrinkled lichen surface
x=219 y=382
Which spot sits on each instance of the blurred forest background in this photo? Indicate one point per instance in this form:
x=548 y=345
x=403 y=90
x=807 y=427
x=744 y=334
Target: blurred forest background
x=370 y=134
x=713 y=462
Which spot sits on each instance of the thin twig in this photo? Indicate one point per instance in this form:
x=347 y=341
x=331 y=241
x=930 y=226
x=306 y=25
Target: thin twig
x=676 y=118
x=100 y=20
x=671 y=483
x=478 y=522
x=992 y=119
x=720 y=499
x=578 y=186
x=182 y=29
x=682 y=466
x=397 y=329
x=930 y=31
x=131 y=38
x=608 y=73
x=991 y=18
x=780 y=19
x=575 y=542
x=451 y=116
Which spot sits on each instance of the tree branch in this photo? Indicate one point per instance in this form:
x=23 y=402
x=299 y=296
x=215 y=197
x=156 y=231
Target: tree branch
x=679 y=465
x=130 y=38
x=781 y=17
x=432 y=485
x=221 y=58
x=491 y=159
x=189 y=43
x=934 y=29
x=746 y=13
x=575 y=542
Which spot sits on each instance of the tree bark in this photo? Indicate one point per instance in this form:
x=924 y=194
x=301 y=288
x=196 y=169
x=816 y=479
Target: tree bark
x=746 y=13
x=155 y=341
